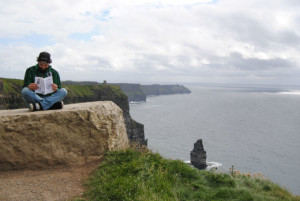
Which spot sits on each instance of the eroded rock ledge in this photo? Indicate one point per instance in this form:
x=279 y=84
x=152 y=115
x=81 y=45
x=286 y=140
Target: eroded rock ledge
x=78 y=134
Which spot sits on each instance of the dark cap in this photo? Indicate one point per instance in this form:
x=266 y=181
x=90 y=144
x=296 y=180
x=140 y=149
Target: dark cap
x=44 y=56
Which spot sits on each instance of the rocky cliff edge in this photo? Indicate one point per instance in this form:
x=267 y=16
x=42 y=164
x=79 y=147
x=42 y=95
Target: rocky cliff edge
x=76 y=135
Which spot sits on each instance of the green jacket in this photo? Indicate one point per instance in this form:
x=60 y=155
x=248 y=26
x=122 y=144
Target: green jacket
x=34 y=71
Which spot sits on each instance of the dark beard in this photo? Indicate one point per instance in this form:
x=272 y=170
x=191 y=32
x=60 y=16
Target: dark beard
x=43 y=70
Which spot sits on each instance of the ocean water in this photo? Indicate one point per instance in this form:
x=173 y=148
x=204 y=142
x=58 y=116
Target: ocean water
x=255 y=129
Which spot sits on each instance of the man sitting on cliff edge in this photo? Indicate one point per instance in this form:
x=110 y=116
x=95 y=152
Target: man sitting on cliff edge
x=39 y=93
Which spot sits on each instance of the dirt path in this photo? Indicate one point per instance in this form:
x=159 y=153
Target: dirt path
x=59 y=184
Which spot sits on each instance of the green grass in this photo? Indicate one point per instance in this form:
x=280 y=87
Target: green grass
x=80 y=90
x=12 y=86
x=92 y=90
x=143 y=175
x=10 y=94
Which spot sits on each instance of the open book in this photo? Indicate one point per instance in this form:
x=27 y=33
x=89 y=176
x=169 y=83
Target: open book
x=44 y=85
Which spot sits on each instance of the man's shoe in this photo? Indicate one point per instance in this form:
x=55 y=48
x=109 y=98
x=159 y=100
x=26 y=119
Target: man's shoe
x=56 y=106
x=34 y=107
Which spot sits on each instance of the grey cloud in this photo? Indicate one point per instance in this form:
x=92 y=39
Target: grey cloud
x=99 y=63
x=149 y=61
x=289 y=38
x=253 y=64
x=249 y=29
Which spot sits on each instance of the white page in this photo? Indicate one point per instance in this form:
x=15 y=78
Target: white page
x=44 y=85
x=48 y=84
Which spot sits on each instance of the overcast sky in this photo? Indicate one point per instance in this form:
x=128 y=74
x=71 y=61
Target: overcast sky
x=138 y=41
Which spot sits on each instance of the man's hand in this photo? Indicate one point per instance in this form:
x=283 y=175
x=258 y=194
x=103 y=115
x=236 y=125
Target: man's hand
x=54 y=87
x=33 y=86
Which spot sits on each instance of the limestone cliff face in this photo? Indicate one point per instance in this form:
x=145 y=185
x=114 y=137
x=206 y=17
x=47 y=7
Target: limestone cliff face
x=75 y=135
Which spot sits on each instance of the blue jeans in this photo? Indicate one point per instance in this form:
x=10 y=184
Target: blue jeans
x=46 y=101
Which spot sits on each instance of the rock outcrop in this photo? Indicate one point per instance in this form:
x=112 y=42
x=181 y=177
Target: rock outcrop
x=75 y=135
x=198 y=155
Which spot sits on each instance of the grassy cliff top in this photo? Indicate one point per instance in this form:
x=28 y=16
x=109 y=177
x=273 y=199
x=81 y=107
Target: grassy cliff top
x=146 y=176
x=10 y=94
x=10 y=86
x=14 y=87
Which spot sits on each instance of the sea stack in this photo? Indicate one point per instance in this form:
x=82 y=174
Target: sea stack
x=198 y=155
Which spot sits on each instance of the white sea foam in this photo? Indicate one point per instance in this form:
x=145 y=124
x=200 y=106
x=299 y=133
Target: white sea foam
x=156 y=105
x=136 y=102
x=210 y=165
x=290 y=92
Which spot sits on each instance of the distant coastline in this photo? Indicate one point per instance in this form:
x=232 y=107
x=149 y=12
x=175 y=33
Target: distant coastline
x=139 y=92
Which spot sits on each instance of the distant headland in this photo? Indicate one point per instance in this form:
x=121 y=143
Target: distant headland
x=139 y=92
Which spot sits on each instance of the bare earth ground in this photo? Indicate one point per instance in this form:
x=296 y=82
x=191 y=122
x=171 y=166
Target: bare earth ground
x=59 y=184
